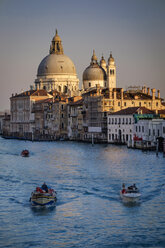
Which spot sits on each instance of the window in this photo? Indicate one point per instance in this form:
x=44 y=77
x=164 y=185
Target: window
x=109 y=136
x=89 y=84
x=123 y=120
x=129 y=120
x=149 y=133
x=142 y=129
x=112 y=120
x=112 y=136
x=115 y=120
x=109 y=120
x=62 y=116
x=163 y=129
x=140 y=104
x=62 y=125
x=119 y=121
x=126 y=137
x=125 y=104
x=156 y=103
x=153 y=132
x=126 y=121
x=123 y=137
x=62 y=106
x=118 y=103
x=158 y=132
x=65 y=89
x=139 y=128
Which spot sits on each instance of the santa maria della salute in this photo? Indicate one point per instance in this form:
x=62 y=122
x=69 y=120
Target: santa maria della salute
x=55 y=108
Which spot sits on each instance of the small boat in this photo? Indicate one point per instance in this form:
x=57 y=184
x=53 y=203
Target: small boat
x=131 y=194
x=43 y=196
x=25 y=153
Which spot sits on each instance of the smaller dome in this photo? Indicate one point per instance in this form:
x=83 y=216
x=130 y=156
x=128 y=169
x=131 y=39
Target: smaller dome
x=94 y=72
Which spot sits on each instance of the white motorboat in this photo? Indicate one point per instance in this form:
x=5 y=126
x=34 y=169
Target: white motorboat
x=131 y=194
x=41 y=197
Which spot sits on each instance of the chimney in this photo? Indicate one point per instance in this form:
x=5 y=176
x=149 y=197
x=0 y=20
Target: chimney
x=158 y=92
x=148 y=91
x=142 y=89
x=110 y=93
x=153 y=94
x=114 y=94
x=121 y=93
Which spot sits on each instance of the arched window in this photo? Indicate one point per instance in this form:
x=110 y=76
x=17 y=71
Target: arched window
x=59 y=88
x=65 y=89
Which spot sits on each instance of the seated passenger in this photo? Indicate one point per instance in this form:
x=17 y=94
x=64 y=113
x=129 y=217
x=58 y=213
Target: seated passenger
x=123 y=189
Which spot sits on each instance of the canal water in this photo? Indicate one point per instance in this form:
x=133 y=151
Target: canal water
x=88 y=212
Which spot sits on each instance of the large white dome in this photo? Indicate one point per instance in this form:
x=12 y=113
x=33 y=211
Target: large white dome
x=56 y=64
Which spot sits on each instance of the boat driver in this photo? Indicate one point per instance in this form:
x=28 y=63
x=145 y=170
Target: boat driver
x=45 y=187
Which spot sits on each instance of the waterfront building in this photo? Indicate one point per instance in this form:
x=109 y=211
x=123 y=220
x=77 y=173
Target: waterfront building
x=150 y=130
x=57 y=71
x=2 y=115
x=56 y=121
x=39 y=127
x=122 y=125
x=75 y=118
x=22 y=121
x=6 y=125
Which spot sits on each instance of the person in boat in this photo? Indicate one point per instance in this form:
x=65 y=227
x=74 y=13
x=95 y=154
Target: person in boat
x=45 y=187
x=123 y=189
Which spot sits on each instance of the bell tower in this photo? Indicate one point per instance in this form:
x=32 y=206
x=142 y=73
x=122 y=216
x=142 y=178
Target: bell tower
x=111 y=72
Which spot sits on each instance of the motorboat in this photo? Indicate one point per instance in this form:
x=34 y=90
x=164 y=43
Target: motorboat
x=25 y=153
x=130 y=194
x=43 y=197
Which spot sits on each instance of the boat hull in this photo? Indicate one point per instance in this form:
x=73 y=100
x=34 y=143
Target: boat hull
x=40 y=199
x=130 y=197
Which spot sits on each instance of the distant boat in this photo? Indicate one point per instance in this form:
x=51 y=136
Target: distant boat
x=131 y=194
x=41 y=197
x=25 y=153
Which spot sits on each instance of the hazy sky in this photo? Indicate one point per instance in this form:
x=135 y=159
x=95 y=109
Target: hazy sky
x=134 y=30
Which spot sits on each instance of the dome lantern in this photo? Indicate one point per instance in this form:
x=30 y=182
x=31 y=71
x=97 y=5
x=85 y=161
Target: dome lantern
x=94 y=58
x=56 y=45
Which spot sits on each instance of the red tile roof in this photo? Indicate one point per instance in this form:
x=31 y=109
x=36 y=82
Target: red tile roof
x=133 y=110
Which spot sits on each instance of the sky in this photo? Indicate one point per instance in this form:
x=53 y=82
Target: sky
x=134 y=30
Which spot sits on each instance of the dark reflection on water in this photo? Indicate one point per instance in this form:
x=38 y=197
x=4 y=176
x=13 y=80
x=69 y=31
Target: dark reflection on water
x=89 y=211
